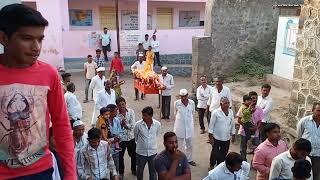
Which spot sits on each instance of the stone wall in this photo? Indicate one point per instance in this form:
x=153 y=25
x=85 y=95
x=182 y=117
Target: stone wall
x=306 y=78
x=234 y=27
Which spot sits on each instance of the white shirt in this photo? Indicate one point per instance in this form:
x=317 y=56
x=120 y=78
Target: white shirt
x=128 y=134
x=266 y=104
x=155 y=46
x=184 y=125
x=96 y=163
x=91 y=69
x=215 y=97
x=104 y=98
x=168 y=82
x=138 y=66
x=73 y=106
x=55 y=173
x=145 y=44
x=97 y=84
x=79 y=145
x=281 y=166
x=222 y=127
x=221 y=172
x=203 y=95
x=145 y=138
x=82 y=142
x=105 y=38
x=307 y=129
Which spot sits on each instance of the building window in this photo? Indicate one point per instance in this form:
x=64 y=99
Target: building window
x=80 y=17
x=130 y=20
x=189 y=18
x=164 y=18
x=108 y=18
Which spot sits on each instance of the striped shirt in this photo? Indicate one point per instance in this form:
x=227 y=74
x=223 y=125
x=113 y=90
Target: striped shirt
x=96 y=163
x=99 y=61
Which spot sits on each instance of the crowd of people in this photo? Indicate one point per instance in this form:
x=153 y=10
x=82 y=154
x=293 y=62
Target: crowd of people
x=260 y=135
x=38 y=110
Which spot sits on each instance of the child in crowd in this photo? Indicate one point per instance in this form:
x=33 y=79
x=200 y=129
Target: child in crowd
x=116 y=83
x=245 y=116
x=102 y=122
x=140 y=51
x=149 y=60
x=114 y=132
x=96 y=161
x=116 y=64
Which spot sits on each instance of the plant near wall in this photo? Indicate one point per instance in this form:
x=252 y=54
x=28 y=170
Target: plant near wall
x=254 y=63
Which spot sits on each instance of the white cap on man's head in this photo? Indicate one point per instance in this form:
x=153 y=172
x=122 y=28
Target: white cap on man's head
x=101 y=69
x=77 y=123
x=183 y=92
x=163 y=68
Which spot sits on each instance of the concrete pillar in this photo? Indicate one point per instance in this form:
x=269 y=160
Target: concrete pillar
x=143 y=15
x=2 y=4
x=52 y=48
x=65 y=15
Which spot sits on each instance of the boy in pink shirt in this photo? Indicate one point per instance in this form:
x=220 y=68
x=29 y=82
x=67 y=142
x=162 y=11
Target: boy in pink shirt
x=31 y=96
x=266 y=151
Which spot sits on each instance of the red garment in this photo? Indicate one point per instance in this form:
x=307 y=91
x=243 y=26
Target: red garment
x=31 y=97
x=116 y=64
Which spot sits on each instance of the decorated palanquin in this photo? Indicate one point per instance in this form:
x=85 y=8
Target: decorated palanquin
x=146 y=81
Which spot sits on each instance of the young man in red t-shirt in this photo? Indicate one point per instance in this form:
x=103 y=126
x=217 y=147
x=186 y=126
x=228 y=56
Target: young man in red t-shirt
x=30 y=96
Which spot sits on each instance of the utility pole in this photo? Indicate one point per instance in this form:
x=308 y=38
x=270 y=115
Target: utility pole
x=117 y=24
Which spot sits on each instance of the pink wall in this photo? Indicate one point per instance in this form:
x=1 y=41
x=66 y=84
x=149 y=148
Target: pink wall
x=176 y=41
x=52 y=51
x=181 y=0
x=133 y=5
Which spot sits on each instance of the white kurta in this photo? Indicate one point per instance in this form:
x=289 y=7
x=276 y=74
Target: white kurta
x=97 y=84
x=168 y=82
x=103 y=100
x=184 y=124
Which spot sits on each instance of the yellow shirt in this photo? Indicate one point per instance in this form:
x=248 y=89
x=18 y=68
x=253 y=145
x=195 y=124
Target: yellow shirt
x=102 y=122
x=149 y=61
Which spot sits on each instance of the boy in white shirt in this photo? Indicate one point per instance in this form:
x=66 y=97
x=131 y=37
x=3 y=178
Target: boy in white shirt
x=95 y=158
x=89 y=72
x=156 y=48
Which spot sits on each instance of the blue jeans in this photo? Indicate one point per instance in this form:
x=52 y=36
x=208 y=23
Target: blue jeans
x=44 y=175
x=141 y=163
